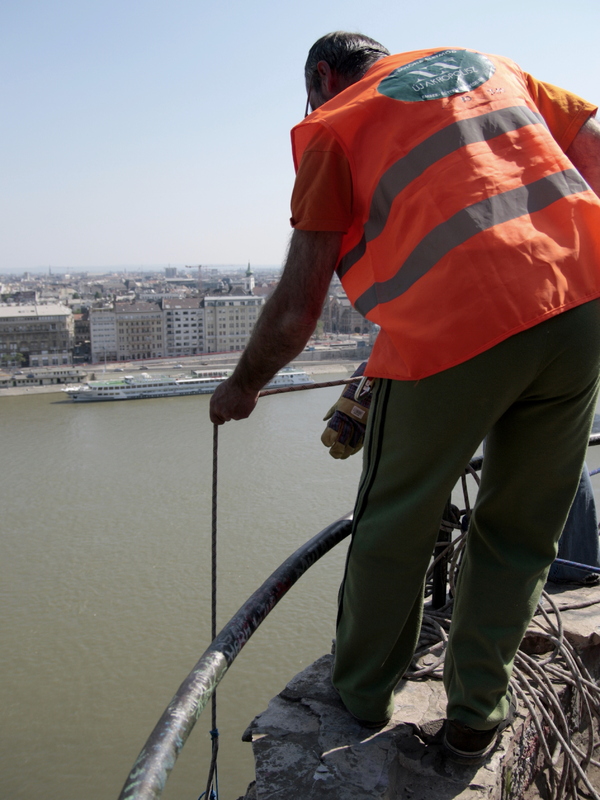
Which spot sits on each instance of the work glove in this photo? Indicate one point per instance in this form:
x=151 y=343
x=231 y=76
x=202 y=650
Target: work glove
x=345 y=431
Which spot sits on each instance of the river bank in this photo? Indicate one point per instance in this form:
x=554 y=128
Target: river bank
x=327 y=367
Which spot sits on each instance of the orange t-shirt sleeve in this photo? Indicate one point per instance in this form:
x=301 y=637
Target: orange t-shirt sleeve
x=563 y=111
x=322 y=194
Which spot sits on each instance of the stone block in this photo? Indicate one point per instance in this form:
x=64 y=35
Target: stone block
x=306 y=745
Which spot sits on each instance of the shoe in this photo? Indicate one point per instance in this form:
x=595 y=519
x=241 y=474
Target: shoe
x=591 y=580
x=466 y=745
x=588 y=580
x=367 y=723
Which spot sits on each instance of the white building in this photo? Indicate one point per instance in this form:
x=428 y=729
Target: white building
x=103 y=334
x=184 y=327
x=181 y=327
x=228 y=321
x=249 y=280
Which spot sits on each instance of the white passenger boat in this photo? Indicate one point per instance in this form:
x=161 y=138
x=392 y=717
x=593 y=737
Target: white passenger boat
x=143 y=386
x=289 y=377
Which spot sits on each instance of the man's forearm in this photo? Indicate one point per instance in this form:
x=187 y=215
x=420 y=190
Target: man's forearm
x=291 y=313
x=585 y=153
x=285 y=325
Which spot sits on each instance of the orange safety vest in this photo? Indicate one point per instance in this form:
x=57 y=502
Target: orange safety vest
x=469 y=222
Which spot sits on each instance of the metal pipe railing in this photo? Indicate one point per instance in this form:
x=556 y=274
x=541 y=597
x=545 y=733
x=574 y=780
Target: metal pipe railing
x=147 y=779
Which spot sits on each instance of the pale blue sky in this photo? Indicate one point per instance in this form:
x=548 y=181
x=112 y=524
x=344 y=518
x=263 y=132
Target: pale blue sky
x=147 y=132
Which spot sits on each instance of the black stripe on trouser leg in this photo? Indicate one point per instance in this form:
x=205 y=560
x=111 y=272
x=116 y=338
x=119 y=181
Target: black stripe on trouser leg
x=372 y=459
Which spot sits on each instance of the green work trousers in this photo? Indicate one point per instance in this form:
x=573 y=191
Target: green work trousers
x=534 y=396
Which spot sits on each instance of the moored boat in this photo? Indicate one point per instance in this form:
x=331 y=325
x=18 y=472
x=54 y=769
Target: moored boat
x=145 y=385
x=289 y=377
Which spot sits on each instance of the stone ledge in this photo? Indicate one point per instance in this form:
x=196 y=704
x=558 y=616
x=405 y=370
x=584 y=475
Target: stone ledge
x=307 y=746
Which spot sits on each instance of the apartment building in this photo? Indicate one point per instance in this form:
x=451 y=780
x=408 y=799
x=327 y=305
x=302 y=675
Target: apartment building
x=36 y=335
x=174 y=328
x=228 y=321
x=184 y=327
x=103 y=334
x=139 y=331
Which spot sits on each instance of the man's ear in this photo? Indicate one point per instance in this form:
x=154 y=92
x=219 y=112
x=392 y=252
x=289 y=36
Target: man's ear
x=331 y=82
x=326 y=79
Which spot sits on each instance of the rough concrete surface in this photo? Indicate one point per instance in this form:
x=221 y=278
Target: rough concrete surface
x=306 y=745
x=582 y=625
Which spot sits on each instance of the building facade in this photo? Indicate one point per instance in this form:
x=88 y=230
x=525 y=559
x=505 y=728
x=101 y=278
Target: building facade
x=36 y=335
x=184 y=327
x=103 y=334
x=229 y=320
x=173 y=328
x=339 y=316
x=140 y=332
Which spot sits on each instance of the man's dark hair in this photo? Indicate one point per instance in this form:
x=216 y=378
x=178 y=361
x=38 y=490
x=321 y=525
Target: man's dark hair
x=348 y=54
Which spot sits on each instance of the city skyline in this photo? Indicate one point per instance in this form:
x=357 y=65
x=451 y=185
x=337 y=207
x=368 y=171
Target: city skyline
x=99 y=269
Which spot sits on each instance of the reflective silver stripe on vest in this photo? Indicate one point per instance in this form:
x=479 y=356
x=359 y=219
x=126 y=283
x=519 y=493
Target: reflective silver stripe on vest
x=440 y=144
x=467 y=223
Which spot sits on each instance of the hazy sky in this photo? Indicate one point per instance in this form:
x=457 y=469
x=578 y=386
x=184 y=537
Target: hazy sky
x=147 y=132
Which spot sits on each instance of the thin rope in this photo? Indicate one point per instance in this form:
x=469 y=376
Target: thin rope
x=212 y=790
x=214 y=734
x=214 y=533
x=302 y=387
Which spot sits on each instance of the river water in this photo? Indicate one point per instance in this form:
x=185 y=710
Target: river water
x=105 y=578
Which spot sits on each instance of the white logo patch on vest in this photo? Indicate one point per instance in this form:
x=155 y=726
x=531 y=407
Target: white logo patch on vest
x=441 y=74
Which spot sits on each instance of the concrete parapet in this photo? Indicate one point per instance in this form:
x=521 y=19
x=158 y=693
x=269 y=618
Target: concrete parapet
x=306 y=745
